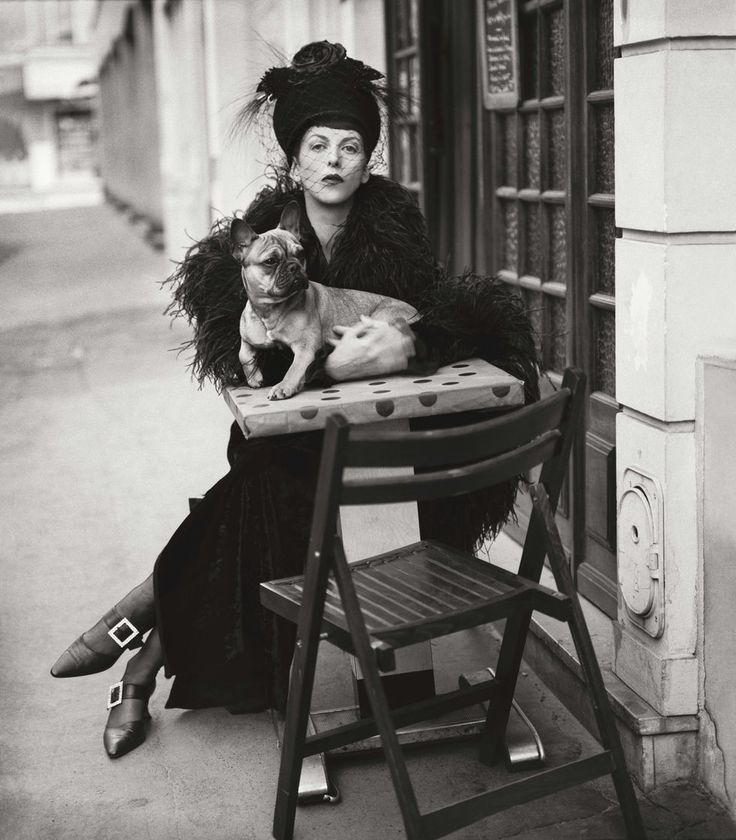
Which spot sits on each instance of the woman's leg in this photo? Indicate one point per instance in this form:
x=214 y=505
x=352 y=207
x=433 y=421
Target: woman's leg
x=126 y=724
x=120 y=628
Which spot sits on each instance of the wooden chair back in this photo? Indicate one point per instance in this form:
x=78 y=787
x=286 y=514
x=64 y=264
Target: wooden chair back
x=453 y=461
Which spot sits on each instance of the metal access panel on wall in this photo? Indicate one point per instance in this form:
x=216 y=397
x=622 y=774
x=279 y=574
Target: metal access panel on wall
x=640 y=551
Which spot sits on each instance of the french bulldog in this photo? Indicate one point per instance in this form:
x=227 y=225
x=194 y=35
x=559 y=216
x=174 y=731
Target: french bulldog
x=285 y=308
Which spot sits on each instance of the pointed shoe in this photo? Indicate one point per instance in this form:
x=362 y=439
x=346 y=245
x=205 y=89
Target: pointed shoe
x=113 y=632
x=120 y=740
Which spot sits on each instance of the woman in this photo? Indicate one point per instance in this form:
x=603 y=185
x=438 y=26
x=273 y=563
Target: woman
x=362 y=231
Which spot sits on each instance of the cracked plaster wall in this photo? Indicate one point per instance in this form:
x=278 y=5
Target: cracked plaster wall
x=717 y=646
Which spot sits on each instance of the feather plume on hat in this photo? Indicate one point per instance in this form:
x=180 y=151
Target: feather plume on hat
x=321 y=85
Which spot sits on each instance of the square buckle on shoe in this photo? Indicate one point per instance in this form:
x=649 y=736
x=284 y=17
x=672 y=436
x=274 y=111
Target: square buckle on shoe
x=123 y=623
x=115 y=695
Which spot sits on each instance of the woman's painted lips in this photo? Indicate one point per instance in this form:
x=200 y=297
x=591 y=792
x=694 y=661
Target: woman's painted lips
x=332 y=179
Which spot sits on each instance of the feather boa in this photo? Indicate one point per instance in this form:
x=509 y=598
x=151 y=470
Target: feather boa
x=383 y=248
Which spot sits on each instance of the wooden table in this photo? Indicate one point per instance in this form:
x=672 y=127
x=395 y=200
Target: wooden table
x=464 y=386
x=390 y=401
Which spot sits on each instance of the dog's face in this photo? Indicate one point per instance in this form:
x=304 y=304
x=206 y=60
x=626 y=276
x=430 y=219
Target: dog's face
x=274 y=263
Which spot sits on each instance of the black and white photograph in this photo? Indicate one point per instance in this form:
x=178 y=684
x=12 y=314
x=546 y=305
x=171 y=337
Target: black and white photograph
x=367 y=419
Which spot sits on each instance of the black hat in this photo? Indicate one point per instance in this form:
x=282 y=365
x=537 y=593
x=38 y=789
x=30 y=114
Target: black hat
x=323 y=86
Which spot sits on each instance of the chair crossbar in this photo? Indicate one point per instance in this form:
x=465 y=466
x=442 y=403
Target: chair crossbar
x=452 y=482
x=450 y=818
x=442 y=704
x=485 y=439
x=554 y=604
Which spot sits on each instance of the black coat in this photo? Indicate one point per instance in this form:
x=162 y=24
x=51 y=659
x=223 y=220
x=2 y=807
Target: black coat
x=253 y=524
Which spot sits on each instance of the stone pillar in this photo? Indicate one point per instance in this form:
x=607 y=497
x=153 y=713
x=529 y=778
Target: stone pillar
x=182 y=120
x=42 y=155
x=675 y=112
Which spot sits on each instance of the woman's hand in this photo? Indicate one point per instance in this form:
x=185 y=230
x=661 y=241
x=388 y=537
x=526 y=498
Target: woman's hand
x=369 y=348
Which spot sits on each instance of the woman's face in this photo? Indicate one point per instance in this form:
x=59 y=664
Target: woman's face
x=331 y=163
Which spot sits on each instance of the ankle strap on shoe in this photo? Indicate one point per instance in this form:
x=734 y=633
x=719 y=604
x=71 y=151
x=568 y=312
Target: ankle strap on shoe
x=120 y=691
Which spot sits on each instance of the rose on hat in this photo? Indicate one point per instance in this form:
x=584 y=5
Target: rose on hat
x=317 y=57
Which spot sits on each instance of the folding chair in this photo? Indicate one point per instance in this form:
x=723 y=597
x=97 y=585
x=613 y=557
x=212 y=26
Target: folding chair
x=356 y=606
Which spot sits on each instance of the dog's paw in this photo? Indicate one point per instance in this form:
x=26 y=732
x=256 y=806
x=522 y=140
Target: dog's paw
x=282 y=392
x=254 y=379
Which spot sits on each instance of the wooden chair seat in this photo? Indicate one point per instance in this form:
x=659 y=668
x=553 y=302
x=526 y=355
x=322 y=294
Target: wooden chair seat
x=418 y=592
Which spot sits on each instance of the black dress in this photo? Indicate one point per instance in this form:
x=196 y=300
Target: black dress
x=253 y=525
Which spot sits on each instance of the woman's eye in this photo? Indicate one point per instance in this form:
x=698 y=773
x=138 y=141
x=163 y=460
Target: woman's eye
x=317 y=147
x=351 y=150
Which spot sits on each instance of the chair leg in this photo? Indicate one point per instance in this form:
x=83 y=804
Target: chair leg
x=512 y=649
x=507 y=672
x=301 y=682
x=379 y=705
x=589 y=663
x=295 y=733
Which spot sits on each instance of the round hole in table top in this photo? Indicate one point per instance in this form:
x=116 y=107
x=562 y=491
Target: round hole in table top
x=451 y=382
x=331 y=391
x=420 y=381
x=263 y=405
x=385 y=408
x=461 y=365
x=383 y=391
x=379 y=382
x=468 y=373
x=244 y=396
x=324 y=399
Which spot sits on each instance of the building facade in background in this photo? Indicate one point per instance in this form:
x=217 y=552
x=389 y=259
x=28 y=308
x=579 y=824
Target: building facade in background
x=582 y=151
x=47 y=94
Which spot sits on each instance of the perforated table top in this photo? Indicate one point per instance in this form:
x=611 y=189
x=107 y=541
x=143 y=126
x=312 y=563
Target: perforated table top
x=463 y=386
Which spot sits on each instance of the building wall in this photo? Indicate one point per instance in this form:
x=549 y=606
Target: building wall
x=45 y=59
x=676 y=205
x=717 y=578
x=129 y=123
x=17 y=138
x=210 y=55
x=183 y=129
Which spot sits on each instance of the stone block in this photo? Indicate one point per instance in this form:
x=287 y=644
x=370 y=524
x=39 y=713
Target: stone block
x=675 y=172
x=641 y=333
x=667 y=455
x=639 y=106
x=669 y=685
x=675 y=300
x=646 y=20
x=700 y=155
x=674 y=757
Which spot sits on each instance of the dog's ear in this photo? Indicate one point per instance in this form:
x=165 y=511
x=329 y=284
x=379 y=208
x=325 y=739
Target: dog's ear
x=241 y=236
x=291 y=219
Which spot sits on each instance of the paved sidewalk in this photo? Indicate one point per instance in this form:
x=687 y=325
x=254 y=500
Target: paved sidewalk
x=103 y=437
x=82 y=192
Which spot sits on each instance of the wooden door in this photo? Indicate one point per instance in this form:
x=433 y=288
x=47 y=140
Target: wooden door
x=528 y=193
x=590 y=24
x=550 y=188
